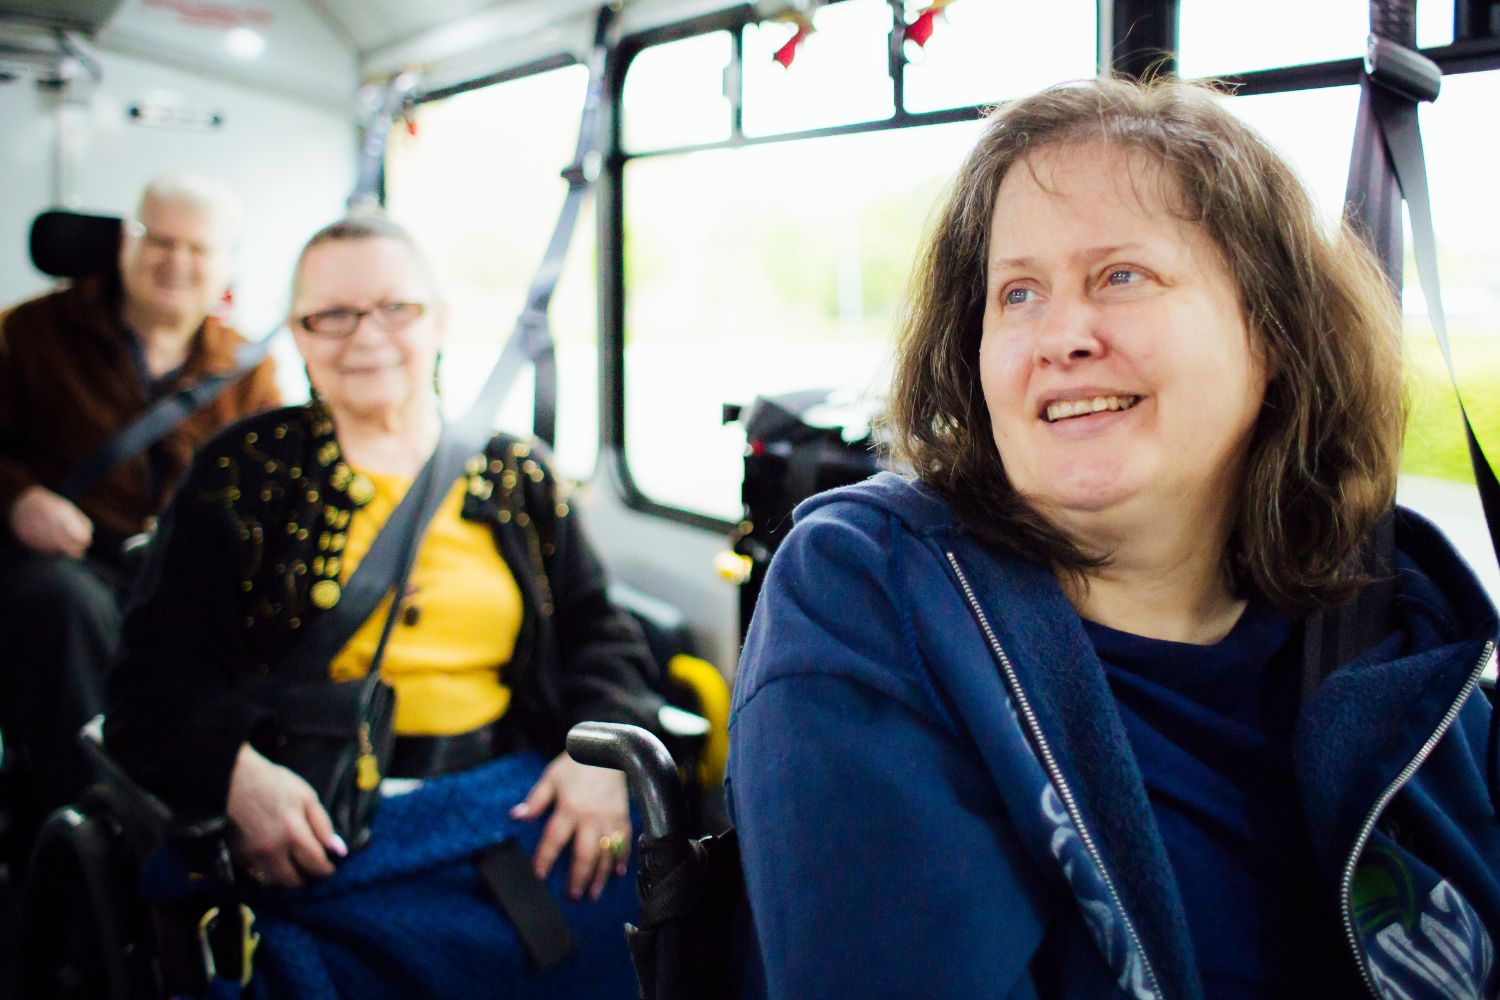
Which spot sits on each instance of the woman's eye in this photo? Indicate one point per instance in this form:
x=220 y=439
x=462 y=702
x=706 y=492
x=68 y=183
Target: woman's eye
x=1017 y=296
x=1122 y=276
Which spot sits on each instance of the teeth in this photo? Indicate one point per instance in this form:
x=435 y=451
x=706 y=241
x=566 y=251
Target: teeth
x=1078 y=407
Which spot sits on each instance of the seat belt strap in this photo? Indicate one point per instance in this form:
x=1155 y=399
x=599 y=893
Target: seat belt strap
x=393 y=553
x=159 y=420
x=1402 y=137
x=506 y=871
x=581 y=175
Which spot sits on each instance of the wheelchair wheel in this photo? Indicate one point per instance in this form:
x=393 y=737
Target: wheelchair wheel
x=79 y=921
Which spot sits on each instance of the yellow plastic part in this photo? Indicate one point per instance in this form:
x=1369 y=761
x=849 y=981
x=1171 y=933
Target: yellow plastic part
x=733 y=567
x=713 y=698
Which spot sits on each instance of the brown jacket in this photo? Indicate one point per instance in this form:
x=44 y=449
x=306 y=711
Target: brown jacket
x=68 y=382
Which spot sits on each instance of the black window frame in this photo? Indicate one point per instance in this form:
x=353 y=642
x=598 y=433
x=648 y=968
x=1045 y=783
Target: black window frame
x=1134 y=37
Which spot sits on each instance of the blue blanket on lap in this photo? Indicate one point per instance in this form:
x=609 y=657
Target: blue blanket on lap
x=408 y=916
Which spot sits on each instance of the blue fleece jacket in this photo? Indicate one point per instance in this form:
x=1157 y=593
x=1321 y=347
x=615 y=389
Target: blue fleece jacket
x=935 y=795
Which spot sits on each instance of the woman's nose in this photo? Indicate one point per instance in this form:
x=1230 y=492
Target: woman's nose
x=1069 y=332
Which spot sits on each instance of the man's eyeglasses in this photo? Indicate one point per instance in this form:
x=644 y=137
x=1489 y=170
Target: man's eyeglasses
x=341 y=322
x=167 y=244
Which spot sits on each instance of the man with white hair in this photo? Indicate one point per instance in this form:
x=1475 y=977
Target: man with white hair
x=76 y=367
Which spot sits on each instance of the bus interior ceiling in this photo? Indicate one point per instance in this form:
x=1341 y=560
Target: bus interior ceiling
x=754 y=263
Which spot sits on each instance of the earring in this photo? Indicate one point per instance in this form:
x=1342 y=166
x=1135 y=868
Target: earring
x=437 y=383
x=312 y=390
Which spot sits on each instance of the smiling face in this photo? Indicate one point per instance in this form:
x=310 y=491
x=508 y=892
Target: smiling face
x=373 y=370
x=1116 y=364
x=174 y=262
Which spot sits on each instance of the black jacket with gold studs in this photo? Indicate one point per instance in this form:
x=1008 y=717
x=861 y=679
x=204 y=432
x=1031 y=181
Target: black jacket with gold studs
x=248 y=554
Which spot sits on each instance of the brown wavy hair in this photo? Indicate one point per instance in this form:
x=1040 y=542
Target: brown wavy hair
x=1321 y=467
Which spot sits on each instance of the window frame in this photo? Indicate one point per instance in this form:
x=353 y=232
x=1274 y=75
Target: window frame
x=1132 y=35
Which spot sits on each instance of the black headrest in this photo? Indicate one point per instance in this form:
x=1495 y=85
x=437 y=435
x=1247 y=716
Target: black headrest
x=70 y=245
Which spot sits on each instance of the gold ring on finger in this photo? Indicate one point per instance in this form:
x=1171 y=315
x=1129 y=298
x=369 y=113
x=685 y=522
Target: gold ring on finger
x=614 y=843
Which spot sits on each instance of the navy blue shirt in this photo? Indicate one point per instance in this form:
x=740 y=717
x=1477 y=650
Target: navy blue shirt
x=1211 y=727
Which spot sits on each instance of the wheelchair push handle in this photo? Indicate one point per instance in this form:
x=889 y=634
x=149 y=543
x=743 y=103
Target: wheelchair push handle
x=647 y=765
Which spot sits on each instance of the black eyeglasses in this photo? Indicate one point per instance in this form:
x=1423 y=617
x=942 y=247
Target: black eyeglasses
x=342 y=322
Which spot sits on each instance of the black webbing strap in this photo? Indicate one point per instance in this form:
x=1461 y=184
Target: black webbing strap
x=1387 y=166
x=159 y=420
x=544 y=932
x=386 y=566
x=580 y=175
x=1396 y=115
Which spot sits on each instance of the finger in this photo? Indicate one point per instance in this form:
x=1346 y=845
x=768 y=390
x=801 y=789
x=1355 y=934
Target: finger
x=604 y=863
x=279 y=870
x=586 y=851
x=541 y=796
x=307 y=853
x=322 y=828
x=554 y=838
x=623 y=861
x=79 y=525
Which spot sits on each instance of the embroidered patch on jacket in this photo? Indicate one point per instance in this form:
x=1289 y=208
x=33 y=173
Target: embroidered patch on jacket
x=1104 y=920
x=1419 y=946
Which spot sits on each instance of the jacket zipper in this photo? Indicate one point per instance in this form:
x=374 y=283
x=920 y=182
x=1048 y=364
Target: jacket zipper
x=1346 y=884
x=1054 y=772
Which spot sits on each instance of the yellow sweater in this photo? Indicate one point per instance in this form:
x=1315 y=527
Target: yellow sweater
x=457 y=627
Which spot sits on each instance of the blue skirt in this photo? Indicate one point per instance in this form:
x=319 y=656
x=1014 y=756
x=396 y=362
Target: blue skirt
x=408 y=916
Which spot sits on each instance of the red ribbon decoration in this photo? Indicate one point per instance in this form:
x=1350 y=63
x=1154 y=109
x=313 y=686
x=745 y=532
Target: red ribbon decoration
x=921 y=29
x=788 y=52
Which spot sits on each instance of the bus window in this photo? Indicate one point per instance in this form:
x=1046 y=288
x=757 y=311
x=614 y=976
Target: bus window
x=479 y=185
x=979 y=51
x=674 y=94
x=840 y=74
x=1217 y=38
x=763 y=270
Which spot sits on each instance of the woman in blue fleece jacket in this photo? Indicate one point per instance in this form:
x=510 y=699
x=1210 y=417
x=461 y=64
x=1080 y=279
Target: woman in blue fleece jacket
x=1034 y=723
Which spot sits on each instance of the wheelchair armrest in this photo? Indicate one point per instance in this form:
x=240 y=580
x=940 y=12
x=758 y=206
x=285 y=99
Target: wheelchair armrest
x=175 y=828
x=647 y=765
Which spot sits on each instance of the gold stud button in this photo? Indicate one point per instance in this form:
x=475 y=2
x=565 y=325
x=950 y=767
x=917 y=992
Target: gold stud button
x=361 y=490
x=325 y=594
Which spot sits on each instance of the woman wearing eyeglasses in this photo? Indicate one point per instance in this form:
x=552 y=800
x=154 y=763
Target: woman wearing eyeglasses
x=503 y=639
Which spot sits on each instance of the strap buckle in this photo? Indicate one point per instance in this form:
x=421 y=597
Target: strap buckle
x=583 y=172
x=225 y=952
x=1401 y=70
